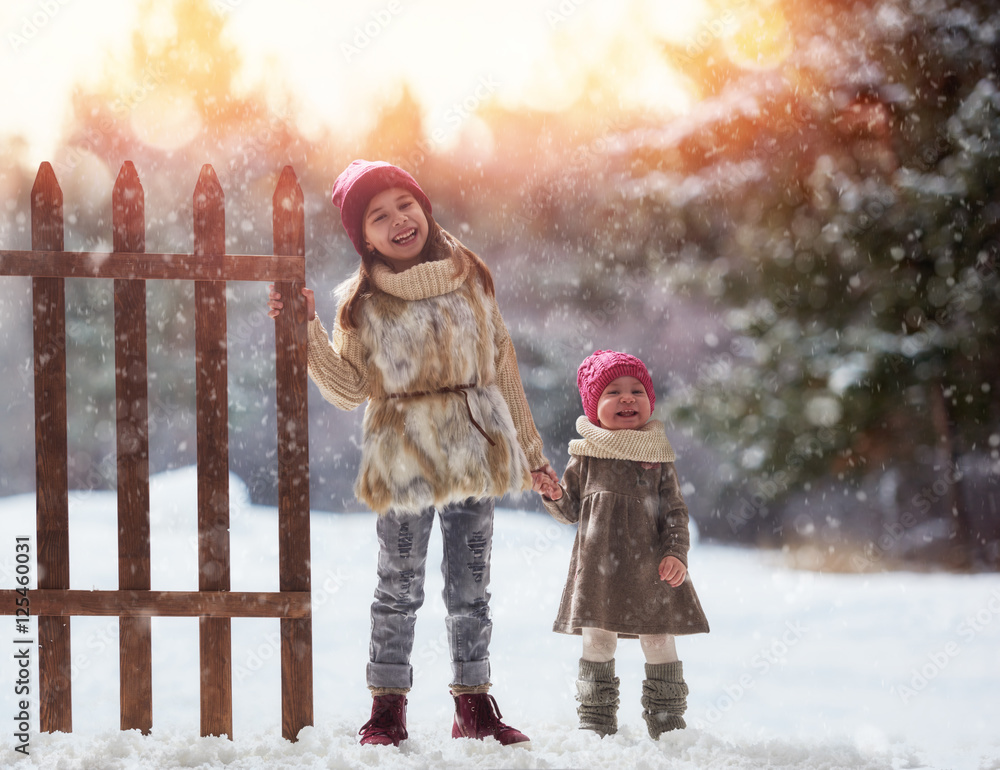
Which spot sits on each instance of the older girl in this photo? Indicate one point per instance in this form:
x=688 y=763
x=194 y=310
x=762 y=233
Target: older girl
x=447 y=429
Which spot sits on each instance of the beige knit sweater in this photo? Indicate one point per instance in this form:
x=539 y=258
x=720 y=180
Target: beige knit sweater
x=339 y=364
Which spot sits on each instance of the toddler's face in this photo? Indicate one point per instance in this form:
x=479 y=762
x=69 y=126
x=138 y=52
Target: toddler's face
x=623 y=405
x=396 y=227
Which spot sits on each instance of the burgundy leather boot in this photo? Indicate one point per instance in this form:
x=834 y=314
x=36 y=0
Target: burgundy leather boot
x=388 y=721
x=478 y=716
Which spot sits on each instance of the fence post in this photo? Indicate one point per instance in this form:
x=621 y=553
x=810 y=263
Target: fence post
x=132 y=412
x=288 y=219
x=51 y=476
x=212 y=407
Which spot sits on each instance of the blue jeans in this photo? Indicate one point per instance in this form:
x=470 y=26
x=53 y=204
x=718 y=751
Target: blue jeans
x=467 y=532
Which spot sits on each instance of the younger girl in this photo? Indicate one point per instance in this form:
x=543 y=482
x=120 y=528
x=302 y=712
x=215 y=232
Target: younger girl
x=628 y=572
x=418 y=334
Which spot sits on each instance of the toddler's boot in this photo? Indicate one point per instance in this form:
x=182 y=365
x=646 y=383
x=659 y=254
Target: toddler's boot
x=388 y=721
x=597 y=693
x=664 y=698
x=478 y=716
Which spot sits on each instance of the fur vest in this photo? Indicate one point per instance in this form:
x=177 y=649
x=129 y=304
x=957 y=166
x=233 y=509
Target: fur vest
x=425 y=330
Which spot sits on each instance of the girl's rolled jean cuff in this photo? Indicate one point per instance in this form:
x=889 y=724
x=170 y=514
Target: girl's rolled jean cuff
x=470 y=675
x=389 y=676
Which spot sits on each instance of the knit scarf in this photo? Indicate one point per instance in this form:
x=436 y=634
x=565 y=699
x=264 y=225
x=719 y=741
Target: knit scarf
x=431 y=278
x=435 y=276
x=648 y=444
x=428 y=279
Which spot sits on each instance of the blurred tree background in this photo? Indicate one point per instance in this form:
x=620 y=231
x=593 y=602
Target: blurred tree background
x=851 y=227
x=807 y=260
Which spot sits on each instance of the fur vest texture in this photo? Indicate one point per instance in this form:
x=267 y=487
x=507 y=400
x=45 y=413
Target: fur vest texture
x=420 y=446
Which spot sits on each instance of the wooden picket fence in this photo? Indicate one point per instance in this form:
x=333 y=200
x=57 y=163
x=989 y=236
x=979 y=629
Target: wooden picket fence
x=134 y=603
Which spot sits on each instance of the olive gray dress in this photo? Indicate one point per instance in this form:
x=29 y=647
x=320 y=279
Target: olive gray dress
x=629 y=518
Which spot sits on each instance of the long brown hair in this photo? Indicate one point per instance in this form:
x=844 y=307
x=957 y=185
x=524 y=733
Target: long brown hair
x=440 y=245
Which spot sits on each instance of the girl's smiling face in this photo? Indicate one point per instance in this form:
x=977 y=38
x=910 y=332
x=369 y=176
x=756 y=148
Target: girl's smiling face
x=623 y=405
x=396 y=227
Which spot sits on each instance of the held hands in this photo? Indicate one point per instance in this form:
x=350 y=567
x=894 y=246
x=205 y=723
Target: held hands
x=672 y=570
x=545 y=482
x=275 y=304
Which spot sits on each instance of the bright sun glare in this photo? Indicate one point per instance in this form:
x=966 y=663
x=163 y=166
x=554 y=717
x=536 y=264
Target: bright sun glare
x=524 y=55
x=762 y=38
x=340 y=63
x=167 y=119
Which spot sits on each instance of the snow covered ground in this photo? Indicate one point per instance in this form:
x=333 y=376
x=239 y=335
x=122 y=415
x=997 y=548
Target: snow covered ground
x=801 y=670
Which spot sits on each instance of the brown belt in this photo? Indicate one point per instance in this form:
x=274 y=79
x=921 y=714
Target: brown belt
x=463 y=390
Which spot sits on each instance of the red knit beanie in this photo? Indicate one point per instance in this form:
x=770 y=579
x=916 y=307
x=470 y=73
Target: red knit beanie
x=604 y=366
x=359 y=183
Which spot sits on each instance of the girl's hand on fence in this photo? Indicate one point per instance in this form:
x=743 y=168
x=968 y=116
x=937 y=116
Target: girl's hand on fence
x=310 y=303
x=275 y=304
x=672 y=570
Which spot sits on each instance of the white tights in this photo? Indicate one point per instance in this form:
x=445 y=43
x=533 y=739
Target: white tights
x=599 y=646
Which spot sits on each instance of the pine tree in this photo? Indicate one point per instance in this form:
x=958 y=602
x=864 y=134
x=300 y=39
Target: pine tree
x=843 y=219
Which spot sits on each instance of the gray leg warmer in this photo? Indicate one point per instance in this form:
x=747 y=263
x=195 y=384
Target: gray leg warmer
x=664 y=698
x=597 y=693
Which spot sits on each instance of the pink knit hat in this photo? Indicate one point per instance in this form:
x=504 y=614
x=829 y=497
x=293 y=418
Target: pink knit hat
x=359 y=183
x=603 y=366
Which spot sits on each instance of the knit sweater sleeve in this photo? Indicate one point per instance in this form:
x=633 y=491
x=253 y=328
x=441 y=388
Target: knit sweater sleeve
x=338 y=365
x=509 y=381
x=675 y=538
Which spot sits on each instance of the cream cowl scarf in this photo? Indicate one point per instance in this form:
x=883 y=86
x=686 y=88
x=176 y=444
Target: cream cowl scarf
x=648 y=444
